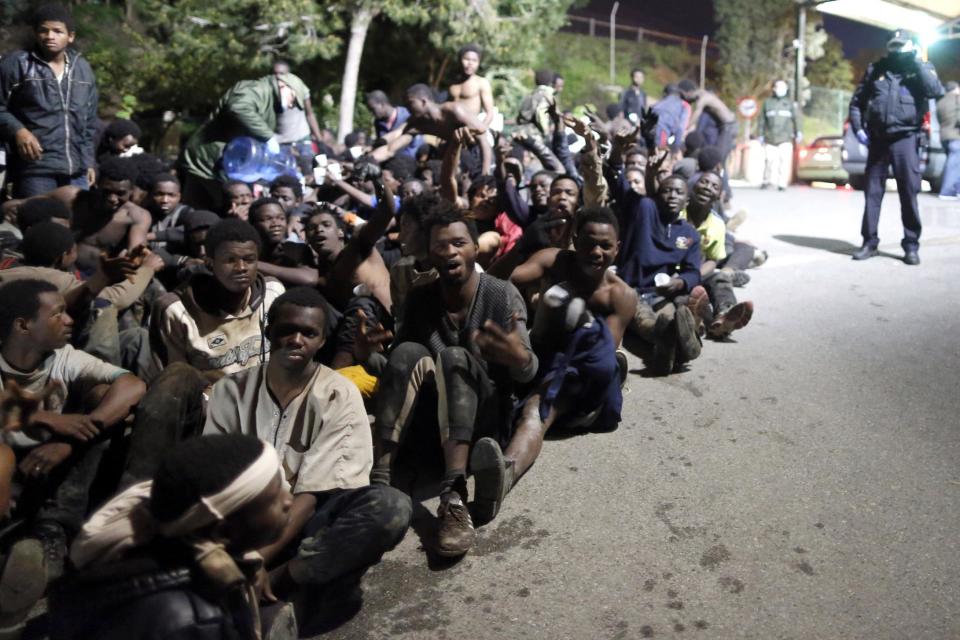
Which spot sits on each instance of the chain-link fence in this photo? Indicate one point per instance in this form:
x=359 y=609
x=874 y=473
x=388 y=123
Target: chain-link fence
x=824 y=112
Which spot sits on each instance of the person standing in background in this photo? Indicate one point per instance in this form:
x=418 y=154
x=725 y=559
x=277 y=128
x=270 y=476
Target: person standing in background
x=48 y=109
x=948 y=115
x=778 y=131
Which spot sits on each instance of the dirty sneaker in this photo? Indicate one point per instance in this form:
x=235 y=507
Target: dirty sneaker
x=688 y=336
x=493 y=478
x=736 y=317
x=456 y=534
x=665 y=349
x=22 y=583
x=622 y=367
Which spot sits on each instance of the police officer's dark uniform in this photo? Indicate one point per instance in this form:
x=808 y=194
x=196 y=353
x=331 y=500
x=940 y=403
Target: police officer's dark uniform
x=886 y=113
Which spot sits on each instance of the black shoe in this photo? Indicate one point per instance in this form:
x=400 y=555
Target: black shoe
x=911 y=257
x=493 y=478
x=781 y=188
x=865 y=252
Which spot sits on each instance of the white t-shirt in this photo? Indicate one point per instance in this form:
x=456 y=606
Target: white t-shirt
x=72 y=373
x=323 y=436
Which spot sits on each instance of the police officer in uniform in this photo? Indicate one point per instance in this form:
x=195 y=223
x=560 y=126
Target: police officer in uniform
x=886 y=112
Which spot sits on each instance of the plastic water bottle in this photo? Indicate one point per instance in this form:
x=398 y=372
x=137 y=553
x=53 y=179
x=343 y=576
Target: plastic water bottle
x=249 y=160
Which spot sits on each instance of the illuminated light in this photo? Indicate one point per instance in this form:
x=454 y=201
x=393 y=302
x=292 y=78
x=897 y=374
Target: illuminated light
x=803 y=153
x=884 y=14
x=816 y=184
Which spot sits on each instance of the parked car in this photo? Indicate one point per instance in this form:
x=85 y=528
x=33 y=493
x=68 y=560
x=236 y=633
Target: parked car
x=822 y=161
x=932 y=155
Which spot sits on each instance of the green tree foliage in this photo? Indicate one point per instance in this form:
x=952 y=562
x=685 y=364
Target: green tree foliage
x=831 y=70
x=755 y=38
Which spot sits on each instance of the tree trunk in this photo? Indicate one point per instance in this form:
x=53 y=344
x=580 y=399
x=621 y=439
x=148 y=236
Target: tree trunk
x=351 y=69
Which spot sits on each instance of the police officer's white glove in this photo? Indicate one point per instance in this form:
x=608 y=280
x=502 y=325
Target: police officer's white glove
x=273 y=145
x=863 y=137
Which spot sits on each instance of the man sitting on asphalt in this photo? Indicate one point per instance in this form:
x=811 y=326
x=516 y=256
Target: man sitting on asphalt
x=661 y=260
x=726 y=315
x=462 y=348
x=317 y=419
x=577 y=351
x=83 y=401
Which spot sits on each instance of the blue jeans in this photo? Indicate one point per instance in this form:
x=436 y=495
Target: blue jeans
x=950 y=185
x=28 y=186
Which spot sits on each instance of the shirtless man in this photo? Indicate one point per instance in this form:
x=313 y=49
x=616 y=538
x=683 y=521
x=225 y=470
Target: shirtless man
x=704 y=101
x=352 y=276
x=104 y=218
x=440 y=120
x=583 y=273
x=474 y=92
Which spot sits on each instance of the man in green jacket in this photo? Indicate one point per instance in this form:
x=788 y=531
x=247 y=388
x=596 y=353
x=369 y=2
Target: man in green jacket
x=778 y=130
x=248 y=108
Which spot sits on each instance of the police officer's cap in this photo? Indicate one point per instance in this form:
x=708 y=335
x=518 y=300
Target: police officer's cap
x=900 y=37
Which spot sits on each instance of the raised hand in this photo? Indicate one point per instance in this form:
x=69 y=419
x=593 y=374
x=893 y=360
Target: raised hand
x=503 y=346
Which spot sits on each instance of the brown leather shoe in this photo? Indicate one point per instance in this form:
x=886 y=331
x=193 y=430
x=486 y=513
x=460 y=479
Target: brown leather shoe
x=456 y=534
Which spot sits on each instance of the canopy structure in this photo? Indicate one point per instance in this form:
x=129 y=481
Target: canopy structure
x=930 y=18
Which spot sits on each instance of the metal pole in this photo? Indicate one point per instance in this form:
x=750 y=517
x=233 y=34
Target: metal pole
x=613 y=36
x=801 y=52
x=703 y=61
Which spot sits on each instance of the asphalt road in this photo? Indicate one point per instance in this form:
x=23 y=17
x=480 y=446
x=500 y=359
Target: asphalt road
x=800 y=482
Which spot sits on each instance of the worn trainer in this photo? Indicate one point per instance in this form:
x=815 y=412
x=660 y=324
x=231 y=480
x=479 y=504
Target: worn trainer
x=736 y=317
x=22 y=583
x=493 y=479
x=688 y=336
x=740 y=278
x=456 y=534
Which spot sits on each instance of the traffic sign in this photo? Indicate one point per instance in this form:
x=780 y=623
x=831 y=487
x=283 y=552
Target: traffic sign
x=748 y=107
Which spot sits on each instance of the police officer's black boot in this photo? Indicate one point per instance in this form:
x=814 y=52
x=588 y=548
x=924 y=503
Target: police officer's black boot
x=865 y=252
x=911 y=257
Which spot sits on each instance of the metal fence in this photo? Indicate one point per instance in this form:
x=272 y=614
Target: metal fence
x=824 y=112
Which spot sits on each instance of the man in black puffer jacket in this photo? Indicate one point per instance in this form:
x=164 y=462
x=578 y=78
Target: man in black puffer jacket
x=886 y=113
x=48 y=109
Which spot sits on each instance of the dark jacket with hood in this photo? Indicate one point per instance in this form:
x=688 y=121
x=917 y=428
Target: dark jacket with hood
x=62 y=115
x=159 y=594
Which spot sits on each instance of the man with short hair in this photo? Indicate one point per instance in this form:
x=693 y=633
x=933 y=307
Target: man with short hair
x=388 y=118
x=290 y=262
x=705 y=102
x=427 y=117
x=474 y=91
x=340 y=524
x=463 y=343
x=948 y=115
x=120 y=138
x=634 y=98
x=717 y=273
x=578 y=356
x=216 y=322
x=661 y=260
x=169 y=215
x=237 y=196
x=83 y=400
x=48 y=109
x=777 y=133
